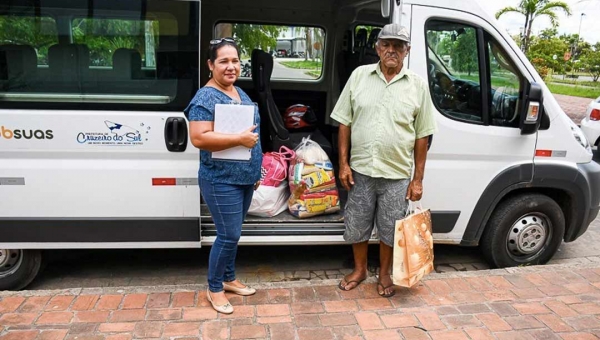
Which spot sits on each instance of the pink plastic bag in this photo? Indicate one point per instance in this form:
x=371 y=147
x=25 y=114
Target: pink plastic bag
x=275 y=165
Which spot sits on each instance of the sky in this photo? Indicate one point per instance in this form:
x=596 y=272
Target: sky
x=590 y=30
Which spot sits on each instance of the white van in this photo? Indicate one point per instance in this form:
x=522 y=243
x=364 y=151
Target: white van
x=94 y=151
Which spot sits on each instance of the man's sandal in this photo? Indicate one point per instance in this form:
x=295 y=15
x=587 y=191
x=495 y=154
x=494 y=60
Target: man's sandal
x=379 y=284
x=349 y=282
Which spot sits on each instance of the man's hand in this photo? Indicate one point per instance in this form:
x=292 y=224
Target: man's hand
x=256 y=185
x=346 y=177
x=415 y=190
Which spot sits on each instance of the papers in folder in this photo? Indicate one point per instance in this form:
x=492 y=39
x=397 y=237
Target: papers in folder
x=233 y=119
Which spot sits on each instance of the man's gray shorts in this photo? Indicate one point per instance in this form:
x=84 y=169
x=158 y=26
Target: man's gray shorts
x=374 y=202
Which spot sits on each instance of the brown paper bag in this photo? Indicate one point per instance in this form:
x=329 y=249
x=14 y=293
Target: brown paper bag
x=413 y=248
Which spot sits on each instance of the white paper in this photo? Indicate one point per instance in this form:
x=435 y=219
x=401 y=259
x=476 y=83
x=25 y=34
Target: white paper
x=233 y=119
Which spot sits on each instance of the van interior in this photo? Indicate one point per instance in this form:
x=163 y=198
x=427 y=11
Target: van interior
x=349 y=32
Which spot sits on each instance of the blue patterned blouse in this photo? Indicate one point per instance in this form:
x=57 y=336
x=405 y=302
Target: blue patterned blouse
x=202 y=108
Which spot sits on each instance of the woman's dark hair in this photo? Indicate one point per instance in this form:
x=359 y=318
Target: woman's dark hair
x=216 y=44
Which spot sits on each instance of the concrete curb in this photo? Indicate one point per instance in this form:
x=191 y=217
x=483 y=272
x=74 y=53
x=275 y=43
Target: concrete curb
x=564 y=265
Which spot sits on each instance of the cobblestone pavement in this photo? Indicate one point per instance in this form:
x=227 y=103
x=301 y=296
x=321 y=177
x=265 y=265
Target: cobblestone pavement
x=542 y=302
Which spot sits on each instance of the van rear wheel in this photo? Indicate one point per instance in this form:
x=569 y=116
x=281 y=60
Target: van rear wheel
x=18 y=267
x=523 y=230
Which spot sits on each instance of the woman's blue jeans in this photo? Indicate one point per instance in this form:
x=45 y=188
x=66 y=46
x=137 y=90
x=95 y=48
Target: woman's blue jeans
x=228 y=205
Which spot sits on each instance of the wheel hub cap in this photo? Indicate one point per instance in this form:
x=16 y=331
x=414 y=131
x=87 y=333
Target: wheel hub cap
x=528 y=235
x=3 y=257
x=9 y=261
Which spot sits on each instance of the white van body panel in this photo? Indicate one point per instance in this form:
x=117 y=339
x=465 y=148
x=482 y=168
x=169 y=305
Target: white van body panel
x=89 y=170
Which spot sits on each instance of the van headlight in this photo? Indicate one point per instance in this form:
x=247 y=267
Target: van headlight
x=580 y=137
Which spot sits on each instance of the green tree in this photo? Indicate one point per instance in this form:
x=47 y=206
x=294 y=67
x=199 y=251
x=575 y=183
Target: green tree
x=104 y=36
x=591 y=62
x=543 y=49
x=250 y=36
x=40 y=33
x=532 y=9
x=464 y=52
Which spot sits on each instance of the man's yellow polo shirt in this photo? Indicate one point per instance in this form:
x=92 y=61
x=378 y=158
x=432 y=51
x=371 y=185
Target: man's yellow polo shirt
x=385 y=119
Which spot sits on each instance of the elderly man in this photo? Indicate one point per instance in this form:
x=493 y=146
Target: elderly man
x=386 y=115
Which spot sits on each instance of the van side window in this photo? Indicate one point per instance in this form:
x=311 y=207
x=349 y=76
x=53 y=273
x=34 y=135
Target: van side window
x=297 y=50
x=24 y=44
x=112 y=54
x=505 y=83
x=453 y=67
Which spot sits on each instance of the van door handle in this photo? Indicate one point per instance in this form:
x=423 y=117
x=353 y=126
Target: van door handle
x=176 y=134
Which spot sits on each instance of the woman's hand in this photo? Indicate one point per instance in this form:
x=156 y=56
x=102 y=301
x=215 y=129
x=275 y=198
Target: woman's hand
x=248 y=138
x=256 y=185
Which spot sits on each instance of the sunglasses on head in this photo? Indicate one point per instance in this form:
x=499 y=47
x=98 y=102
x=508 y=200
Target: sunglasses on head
x=218 y=41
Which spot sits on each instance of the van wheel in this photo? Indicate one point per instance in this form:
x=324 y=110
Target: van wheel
x=523 y=230
x=18 y=267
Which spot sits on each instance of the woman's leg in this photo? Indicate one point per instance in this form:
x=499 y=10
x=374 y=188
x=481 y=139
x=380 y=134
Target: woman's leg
x=247 y=192
x=226 y=205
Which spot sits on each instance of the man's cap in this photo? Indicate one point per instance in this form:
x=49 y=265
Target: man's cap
x=394 y=31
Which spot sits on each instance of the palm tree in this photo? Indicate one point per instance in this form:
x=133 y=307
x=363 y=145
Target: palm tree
x=532 y=9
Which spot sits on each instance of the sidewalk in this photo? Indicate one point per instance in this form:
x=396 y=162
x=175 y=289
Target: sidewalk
x=544 y=302
x=574 y=107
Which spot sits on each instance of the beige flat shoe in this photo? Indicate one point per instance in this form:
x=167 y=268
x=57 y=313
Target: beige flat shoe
x=225 y=309
x=239 y=291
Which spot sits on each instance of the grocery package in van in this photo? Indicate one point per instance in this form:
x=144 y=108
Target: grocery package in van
x=271 y=197
x=312 y=182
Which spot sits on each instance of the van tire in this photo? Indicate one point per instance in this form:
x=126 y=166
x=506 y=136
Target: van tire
x=25 y=267
x=523 y=230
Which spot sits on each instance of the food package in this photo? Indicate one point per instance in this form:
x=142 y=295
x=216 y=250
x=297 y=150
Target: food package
x=312 y=182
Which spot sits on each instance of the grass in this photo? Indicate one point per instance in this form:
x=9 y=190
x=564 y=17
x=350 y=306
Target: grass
x=315 y=74
x=574 y=82
x=304 y=64
x=575 y=91
x=496 y=80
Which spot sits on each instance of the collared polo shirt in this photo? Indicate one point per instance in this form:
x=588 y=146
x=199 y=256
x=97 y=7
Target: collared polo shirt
x=385 y=119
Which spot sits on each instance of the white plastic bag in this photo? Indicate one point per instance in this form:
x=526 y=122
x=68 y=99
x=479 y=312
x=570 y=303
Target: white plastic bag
x=269 y=201
x=310 y=152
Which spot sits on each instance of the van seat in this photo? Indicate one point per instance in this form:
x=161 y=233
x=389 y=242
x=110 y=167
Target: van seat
x=68 y=62
x=127 y=64
x=274 y=134
x=371 y=56
x=18 y=67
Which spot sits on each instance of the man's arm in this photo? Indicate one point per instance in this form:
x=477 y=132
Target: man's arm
x=415 y=188
x=344 y=151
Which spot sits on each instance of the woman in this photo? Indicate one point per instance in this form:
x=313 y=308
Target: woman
x=226 y=186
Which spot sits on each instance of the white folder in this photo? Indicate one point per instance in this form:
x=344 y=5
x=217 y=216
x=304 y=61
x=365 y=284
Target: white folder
x=233 y=119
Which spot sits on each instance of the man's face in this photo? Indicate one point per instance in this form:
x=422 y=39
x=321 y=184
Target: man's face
x=392 y=52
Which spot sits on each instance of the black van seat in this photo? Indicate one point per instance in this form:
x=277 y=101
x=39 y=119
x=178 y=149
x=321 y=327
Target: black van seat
x=358 y=51
x=371 y=56
x=343 y=59
x=272 y=122
x=68 y=62
x=18 y=67
x=127 y=64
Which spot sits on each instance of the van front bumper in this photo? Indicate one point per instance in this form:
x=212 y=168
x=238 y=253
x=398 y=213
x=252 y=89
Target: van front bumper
x=588 y=181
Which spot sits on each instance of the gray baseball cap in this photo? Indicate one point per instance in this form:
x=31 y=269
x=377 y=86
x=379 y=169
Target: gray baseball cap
x=394 y=31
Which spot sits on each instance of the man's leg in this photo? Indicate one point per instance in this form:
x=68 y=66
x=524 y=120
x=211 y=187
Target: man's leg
x=359 y=273
x=385 y=265
x=358 y=219
x=391 y=206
